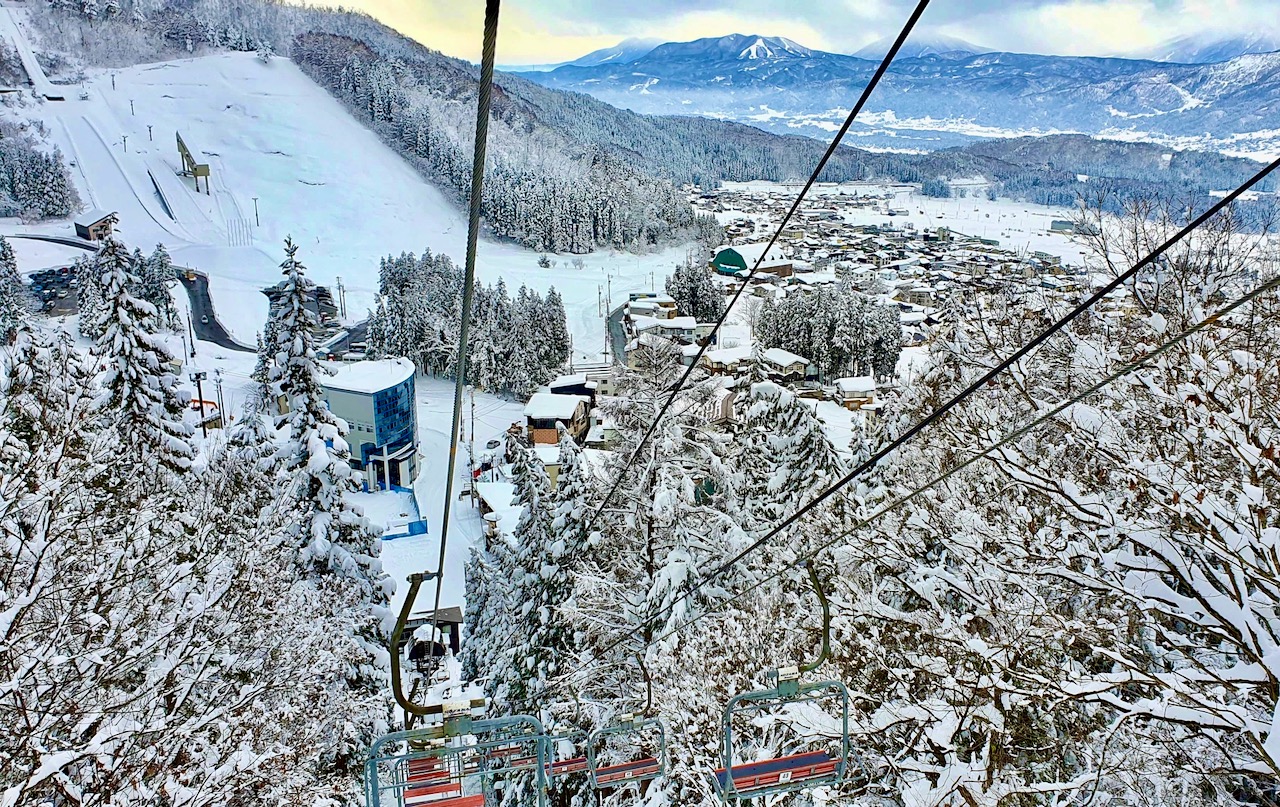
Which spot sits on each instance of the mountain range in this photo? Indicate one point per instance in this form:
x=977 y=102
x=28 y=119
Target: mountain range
x=939 y=99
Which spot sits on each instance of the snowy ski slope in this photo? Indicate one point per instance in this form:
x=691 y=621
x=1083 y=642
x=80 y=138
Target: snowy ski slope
x=318 y=175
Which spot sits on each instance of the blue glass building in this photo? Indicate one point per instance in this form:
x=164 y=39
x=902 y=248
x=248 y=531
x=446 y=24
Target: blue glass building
x=376 y=399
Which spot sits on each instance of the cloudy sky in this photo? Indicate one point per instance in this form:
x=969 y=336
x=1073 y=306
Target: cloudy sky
x=540 y=31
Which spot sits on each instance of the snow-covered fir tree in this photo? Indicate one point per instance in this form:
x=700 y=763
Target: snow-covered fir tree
x=140 y=396
x=15 y=300
x=336 y=547
x=694 y=292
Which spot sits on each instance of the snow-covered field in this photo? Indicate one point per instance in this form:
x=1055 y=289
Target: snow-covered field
x=271 y=134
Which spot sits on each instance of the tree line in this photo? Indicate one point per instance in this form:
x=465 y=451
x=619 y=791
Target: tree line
x=516 y=344
x=839 y=329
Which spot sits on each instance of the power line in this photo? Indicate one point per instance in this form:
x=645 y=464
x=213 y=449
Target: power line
x=1011 y=437
x=957 y=399
x=1017 y=434
x=817 y=171
x=484 y=102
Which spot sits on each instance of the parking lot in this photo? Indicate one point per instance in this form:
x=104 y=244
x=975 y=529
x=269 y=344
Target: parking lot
x=55 y=290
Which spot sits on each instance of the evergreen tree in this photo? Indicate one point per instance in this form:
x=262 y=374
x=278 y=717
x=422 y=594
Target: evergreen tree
x=336 y=548
x=140 y=399
x=15 y=301
x=695 y=293
x=155 y=285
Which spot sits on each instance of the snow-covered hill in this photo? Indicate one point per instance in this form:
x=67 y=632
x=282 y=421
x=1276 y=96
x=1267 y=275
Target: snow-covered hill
x=917 y=47
x=275 y=139
x=1209 y=48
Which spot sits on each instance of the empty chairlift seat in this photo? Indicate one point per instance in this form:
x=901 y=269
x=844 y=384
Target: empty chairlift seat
x=637 y=769
x=749 y=778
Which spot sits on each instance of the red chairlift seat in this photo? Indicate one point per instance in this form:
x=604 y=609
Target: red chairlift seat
x=565 y=767
x=753 y=776
x=648 y=766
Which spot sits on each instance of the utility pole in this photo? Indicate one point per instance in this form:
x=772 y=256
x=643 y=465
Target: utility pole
x=198 y=377
x=149 y=137
x=222 y=410
x=256 y=221
x=131 y=112
x=113 y=81
x=192 y=331
x=183 y=334
x=125 y=138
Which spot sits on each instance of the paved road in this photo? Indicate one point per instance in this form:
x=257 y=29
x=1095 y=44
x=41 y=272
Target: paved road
x=203 y=320
x=617 y=336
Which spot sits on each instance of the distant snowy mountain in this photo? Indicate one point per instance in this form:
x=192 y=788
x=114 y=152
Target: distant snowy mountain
x=734 y=47
x=625 y=52
x=1210 y=49
x=913 y=48
x=934 y=100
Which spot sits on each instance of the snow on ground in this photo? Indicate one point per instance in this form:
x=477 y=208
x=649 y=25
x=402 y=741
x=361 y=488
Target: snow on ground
x=33 y=255
x=1016 y=225
x=271 y=134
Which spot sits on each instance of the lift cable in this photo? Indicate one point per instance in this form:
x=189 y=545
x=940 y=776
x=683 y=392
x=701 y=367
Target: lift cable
x=964 y=394
x=817 y=171
x=1146 y=360
x=484 y=100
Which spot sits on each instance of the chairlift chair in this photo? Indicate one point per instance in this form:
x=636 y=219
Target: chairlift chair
x=792 y=772
x=429 y=765
x=640 y=767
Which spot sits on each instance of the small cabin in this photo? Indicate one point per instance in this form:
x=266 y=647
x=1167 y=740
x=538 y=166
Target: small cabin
x=96 y=225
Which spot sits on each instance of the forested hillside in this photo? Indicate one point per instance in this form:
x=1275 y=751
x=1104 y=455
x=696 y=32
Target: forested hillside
x=567 y=172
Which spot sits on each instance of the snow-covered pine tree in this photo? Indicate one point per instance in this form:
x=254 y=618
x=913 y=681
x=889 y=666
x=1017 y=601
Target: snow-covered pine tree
x=785 y=458
x=88 y=297
x=336 y=547
x=558 y=341
x=155 y=286
x=695 y=293
x=15 y=300
x=140 y=401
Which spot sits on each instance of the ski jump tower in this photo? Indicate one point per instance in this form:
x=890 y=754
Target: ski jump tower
x=194 y=164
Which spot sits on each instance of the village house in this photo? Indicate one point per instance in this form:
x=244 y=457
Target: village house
x=855 y=392
x=546 y=409
x=784 y=366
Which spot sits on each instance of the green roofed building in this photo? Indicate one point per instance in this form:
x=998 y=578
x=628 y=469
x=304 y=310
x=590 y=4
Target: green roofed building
x=730 y=260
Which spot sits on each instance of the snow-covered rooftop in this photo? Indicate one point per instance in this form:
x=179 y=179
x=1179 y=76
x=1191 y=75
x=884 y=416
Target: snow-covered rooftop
x=548 y=406
x=856 y=384
x=547 y=455
x=369 y=376
x=728 y=355
x=752 y=252
x=782 y=358
x=93 y=216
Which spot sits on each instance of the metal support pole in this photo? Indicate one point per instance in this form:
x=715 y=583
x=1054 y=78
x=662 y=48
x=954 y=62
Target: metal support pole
x=131 y=112
x=149 y=136
x=192 y=331
x=222 y=410
x=198 y=378
x=125 y=139
x=256 y=221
